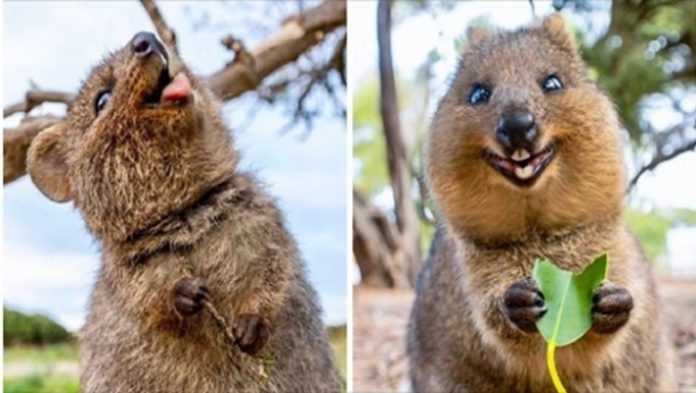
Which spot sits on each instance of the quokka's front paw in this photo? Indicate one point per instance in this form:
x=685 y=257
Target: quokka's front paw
x=189 y=295
x=524 y=304
x=611 y=308
x=252 y=333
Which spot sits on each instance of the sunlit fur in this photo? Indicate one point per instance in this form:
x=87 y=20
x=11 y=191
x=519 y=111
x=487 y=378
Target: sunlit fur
x=160 y=190
x=125 y=160
x=492 y=230
x=585 y=180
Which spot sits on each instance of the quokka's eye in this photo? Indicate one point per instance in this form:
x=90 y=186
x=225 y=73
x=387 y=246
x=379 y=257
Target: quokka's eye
x=552 y=83
x=479 y=94
x=102 y=100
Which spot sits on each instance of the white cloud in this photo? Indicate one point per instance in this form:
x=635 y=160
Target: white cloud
x=56 y=284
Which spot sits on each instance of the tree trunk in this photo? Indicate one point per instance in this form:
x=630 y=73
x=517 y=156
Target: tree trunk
x=388 y=253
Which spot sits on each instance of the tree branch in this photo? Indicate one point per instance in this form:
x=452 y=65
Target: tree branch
x=36 y=97
x=298 y=34
x=666 y=138
x=314 y=76
x=372 y=247
x=397 y=157
x=659 y=159
x=16 y=141
x=377 y=246
x=163 y=30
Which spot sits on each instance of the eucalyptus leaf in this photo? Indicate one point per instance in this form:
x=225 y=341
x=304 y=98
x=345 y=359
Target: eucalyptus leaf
x=568 y=299
x=569 y=306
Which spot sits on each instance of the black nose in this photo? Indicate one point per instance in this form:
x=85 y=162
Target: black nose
x=145 y=43
x=517 y=129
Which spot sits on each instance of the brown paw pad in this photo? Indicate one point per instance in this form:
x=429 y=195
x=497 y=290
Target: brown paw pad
x=189 y=294
x=611 y=308
x=524 y=304
x=251 y=332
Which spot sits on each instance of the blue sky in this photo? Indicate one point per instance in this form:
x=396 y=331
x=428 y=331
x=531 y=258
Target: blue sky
x=49 y=260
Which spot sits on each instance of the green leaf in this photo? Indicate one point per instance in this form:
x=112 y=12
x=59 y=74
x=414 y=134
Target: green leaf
x=569 y=306
x=568 y=299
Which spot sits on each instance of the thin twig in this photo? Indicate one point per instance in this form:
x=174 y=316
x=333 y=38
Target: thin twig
x=163 y=30
x=221 y=321
x=659 y=159
x=225 y=325
x=661 y=140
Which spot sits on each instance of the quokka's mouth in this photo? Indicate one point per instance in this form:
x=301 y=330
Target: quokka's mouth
x=522 y=167
x=170 y=91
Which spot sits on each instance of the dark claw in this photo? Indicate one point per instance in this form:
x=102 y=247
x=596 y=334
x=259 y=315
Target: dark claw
x=524 y=304
x=189 y=294
x=252 y=333
x=611 y=309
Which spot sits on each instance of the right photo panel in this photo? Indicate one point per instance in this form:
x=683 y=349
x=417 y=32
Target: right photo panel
x=524 y=203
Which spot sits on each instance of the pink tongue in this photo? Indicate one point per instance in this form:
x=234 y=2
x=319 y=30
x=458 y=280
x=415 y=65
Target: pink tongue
x=178 y=89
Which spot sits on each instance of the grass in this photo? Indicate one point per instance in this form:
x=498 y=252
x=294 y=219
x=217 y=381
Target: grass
x=43 y=379
x=42 y=384
x=41 y=354
x=39 y=363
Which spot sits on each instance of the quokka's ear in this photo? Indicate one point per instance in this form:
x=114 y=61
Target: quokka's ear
x=558 y=31
x=475 y=34
x=47 y=164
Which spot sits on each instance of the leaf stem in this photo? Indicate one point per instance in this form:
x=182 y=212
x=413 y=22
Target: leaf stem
x=551 y=350
x=551 y=363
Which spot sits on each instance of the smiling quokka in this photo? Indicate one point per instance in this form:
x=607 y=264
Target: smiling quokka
x=524 y=161
x=146 y=159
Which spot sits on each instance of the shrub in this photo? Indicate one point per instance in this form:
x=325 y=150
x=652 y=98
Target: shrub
x=39 y=329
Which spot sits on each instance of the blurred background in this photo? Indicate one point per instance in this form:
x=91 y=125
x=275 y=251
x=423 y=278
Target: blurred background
x=290 y=130
x=641 y=52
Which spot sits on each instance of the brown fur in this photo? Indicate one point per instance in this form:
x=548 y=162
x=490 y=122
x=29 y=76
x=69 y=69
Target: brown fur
x=460 y=339
x=158 y=187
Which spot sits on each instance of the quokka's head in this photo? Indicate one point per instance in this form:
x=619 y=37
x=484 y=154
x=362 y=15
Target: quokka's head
x=523 y=140
x=142 y=139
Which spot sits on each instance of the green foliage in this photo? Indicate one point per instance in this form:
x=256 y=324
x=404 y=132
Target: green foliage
x=368 y=138
x=42 y=384
x=35 y=368
x=427 y=233
x=20 y=328
x=683 y=217
x=369 y=146
x=636 y=58
x=651 y=228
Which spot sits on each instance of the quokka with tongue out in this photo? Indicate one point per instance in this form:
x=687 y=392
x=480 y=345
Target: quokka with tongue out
x=201 y=287
x=524 y=161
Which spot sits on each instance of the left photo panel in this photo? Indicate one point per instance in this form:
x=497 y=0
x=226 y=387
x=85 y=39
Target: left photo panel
x=175 y=197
